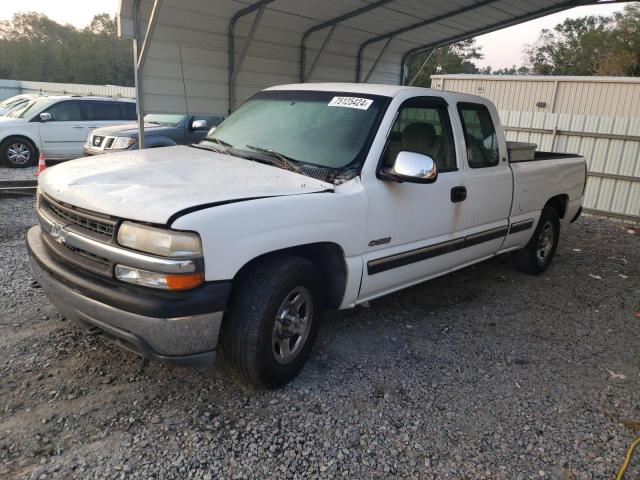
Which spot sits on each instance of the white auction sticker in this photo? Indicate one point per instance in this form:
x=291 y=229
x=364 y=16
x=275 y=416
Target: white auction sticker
x=351 y=102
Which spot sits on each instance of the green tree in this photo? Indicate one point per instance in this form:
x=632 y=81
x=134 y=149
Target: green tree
x=592 y=45
x=456 y=58
x=34 y=47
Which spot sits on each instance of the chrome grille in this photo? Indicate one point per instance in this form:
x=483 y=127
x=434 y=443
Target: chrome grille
x=88 y=255
x=91 y=222
x=96 y=140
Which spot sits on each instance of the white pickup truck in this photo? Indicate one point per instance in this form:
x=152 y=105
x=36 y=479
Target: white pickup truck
x=307 y=197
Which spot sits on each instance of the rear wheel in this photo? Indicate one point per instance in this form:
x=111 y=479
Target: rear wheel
x=273 y=321
x=539 y=252
x=18 y=153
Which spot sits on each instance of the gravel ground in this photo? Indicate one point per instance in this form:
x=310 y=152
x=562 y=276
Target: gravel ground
x=485 y=373
x=17 y=173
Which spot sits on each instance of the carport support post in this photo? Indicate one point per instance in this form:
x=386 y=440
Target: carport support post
x=139 y=100
x=140 y=50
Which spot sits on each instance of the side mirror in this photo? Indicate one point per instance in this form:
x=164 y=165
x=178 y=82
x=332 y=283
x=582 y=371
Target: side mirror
x=199 y=125
x=413 y=167
x=45 y=117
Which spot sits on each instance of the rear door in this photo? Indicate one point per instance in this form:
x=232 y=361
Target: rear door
x=63 y=135
x=489 y=180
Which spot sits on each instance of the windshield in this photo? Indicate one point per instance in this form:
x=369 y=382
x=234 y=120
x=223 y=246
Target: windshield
x=31 y=106
x=13 y=101
x=160 y=119
x=325 y=129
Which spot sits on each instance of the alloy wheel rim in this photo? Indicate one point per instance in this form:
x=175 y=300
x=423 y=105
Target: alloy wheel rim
x=545 y=242
x=18 y=153
x=292 y=325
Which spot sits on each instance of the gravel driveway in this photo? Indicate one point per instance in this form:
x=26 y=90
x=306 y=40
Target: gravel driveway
x=486 y=373
x=17 y=174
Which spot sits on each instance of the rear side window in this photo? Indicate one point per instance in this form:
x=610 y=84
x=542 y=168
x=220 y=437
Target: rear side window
x=97 y=111
x=480 y=135
x=65 y=112
x=128 y=111
x=423 y=126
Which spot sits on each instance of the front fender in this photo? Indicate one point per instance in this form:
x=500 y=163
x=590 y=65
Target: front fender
x=158 y=141
x=234 y=234
x=33 y=137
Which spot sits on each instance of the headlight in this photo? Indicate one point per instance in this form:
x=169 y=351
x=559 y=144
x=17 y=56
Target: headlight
x=122 y=142
x=159 y=241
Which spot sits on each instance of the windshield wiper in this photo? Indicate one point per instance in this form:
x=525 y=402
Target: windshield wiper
x=218 y=141
x=287 y=161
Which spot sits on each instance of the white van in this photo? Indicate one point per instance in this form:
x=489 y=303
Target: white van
x=57 y=126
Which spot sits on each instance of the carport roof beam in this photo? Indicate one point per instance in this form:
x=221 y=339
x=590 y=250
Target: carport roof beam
x=413 y=26
x=322 y=48
x=332 y=23
x=151 y=26
x=491 y=28
x=377 y=60
x=233 y=68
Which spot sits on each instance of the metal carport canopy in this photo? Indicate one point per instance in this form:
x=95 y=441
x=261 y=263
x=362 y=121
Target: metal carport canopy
x=207 y=57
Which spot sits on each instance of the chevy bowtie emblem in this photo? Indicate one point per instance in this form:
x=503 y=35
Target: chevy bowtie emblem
x=58 y=234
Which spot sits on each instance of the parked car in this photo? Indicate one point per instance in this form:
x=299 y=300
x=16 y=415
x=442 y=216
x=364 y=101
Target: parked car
x=159 y=131
x=307 y=197
x=57 y=126
x=14 y=102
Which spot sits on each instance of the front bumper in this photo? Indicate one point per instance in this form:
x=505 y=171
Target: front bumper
x=179 y=328
x=87 y=152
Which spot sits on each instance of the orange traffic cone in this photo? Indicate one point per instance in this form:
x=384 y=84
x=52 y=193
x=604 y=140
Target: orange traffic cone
x=41 y=164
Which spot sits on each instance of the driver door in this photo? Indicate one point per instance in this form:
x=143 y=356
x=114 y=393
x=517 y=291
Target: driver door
x=413 y=228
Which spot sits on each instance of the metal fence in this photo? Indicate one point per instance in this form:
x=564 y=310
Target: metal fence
x=610 y=145
x=9 y=88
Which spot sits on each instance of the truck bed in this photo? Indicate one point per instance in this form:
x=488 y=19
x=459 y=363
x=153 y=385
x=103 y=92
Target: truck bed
x=546 y=156
x=548 y=175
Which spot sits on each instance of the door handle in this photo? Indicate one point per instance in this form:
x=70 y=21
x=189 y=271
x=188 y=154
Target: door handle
x=458 y=194
x=78 y=126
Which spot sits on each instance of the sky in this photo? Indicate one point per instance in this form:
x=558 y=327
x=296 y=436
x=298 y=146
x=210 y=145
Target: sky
x=501 y=49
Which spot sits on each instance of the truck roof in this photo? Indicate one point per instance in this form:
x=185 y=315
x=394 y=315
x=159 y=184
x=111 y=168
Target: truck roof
x=374 y=89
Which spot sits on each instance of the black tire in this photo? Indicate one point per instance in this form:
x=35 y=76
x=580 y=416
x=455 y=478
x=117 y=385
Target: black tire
x=251 y=332
x=537 y=255
x=18 y=152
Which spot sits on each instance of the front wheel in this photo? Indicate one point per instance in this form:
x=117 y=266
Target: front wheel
x=18 y=153
x=273 y=320
x=539 y=252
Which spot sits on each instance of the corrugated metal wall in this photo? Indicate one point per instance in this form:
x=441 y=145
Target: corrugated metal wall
x=597 y=117
x=9 y=88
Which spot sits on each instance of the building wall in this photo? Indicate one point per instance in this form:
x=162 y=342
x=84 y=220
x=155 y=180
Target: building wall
x=605 y=96
x=597 y=117
x=9 y=88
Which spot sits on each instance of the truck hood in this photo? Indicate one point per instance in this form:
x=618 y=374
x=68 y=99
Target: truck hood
x=154 y=184
x=129 y=129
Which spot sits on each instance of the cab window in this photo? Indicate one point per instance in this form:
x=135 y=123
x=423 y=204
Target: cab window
x=480 y=135
x=65 y=112
x=423 y=126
